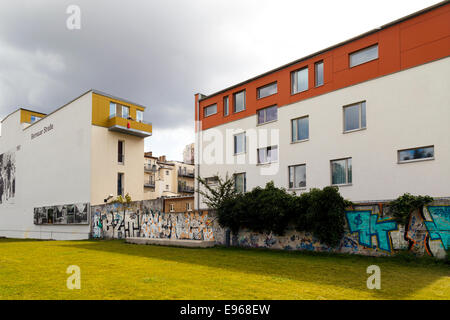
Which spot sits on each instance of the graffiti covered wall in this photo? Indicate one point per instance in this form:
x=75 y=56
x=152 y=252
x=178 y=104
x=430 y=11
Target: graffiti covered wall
x=63 y=214
x=7 y=177
x=370 y=230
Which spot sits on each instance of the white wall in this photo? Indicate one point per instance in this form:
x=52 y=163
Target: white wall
x=52 y=169
x=404 y=110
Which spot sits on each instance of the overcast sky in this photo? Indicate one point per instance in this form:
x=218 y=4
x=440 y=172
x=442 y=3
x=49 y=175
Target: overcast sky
x=160 y=53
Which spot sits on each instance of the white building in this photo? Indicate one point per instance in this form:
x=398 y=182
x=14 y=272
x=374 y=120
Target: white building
x=369 y=115
x=53 y=167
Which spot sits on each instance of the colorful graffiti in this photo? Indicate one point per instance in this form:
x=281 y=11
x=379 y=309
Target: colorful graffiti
x=145 y=219
x=367 y=225
x=439 y=226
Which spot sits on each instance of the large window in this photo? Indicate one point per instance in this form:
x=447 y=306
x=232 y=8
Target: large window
x=139 y=116
x=210 y=110
x=300 y=129
x=318 y=70
x=297 y=176
x=363 y=55
x=120 y=152
x=341 y=171
x=125 y=112
x=267 y=114
x=415 y=154
x=299 y=80
x=120 y=184
x=239 y=143
x=267 y=90
x=112 y=109
x=240 y=182
x=268 y=154
x=239 y=101
x=226 y=106
x=212 y=181
x=355 y=116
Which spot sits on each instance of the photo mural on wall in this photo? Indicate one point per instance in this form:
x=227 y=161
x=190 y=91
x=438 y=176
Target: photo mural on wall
x=7 y=177
x=62 y=214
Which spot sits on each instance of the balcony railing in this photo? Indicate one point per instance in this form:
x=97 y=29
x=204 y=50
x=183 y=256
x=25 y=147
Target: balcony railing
x=129 y=126
x=149 y=168
x=185 y=188
x=149 y=184
x=187 y=173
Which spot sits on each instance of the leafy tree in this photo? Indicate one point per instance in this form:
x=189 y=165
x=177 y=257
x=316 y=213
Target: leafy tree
x=402 y=207
x=215 y=195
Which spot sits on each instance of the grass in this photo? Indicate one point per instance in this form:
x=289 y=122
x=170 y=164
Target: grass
x=32 y=269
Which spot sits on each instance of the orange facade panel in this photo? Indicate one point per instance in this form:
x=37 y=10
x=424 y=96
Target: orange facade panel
x=411 y=42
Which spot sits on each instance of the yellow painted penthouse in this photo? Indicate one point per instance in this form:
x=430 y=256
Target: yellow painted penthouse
x=54 y=166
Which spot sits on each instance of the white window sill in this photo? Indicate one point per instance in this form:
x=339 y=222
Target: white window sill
x=297 y=189
x=342 y=185
x=238 y=154
x=354 y=130
x=415 y=160
x=266 y=163
x=299 y=141
x=267 y=122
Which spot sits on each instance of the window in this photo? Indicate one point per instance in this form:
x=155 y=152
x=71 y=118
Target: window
x=240 y=182
x=239 y=143
x=268 y=154
x=120 y=151
x=300 y=129
x=226 y=106
x=341 y=171
x=299 y=80
x=120 y=184
x=125 y=112
x=239 y=101
x=172 y=207
x=318 y=70
x=112 y=109
x=363 y=56
x=267 y=90
x=414 y=154
x=211 y=181
x=167 y=187
x=267 y=114
x=167 y=172
x=34 y=119
x=210 y=110
x=139 y=116
x=355 y=116
x=297 y=176
x=188 y=206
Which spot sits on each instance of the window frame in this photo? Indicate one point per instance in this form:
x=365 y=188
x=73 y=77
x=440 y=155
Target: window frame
x=292 y=131
x=305 y=68
x=416 y=160
x=123 y=151
x=128 y=111
x=362 y=50
x=227 y=109
x=347 y=183
x=258 y=96
x=205 y=108
x=115 y=109
x=267 y=154
x=265 y=115
x=289 y=177
x=234 y=100
x=360 y=103
x=122 y=184
x=244 y=182
x=315 y=73
x=234 y=143
x=140 y=112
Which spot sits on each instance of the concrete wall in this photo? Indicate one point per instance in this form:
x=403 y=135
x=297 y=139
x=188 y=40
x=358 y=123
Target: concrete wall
x=406 y=109
x=51 y=169
x=370 y=230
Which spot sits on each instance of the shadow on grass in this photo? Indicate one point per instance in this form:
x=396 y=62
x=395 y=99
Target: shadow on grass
x=399 y=279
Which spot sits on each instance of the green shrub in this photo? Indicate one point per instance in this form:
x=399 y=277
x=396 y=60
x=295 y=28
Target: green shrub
x=402 y=207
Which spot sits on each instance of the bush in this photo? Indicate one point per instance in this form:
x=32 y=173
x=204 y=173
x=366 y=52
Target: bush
x=402 y=207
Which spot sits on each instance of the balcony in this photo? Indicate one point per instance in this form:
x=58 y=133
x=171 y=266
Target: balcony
x=149 y=168
x=185 y=189
x=149 y=184
x=186 y=173
x=129 y=126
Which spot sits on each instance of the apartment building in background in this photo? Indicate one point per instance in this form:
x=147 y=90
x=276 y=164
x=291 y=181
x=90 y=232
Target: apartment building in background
x=188 y=153
x=164 y=178
x=54 y=166
x=369 y=115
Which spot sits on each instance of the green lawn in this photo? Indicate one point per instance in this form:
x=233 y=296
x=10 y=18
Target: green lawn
x=32 y=269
